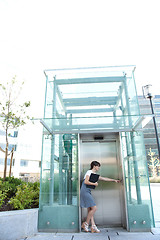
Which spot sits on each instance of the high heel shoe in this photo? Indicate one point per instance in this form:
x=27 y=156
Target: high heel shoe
x=94 y=229
x=85 y=226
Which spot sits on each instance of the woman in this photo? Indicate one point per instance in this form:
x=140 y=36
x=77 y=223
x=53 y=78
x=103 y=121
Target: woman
x=86 y=198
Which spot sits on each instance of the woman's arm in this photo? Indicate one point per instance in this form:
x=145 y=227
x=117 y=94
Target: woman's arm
x=86 y=181
x=108 y=179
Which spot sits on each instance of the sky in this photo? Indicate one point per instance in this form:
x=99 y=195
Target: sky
x=48 y=34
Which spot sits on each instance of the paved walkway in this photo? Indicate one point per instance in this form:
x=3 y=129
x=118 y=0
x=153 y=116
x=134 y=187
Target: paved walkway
x=106 y=234
x=111 y=233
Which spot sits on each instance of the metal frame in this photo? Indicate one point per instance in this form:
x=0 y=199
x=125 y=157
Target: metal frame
x=125 y=197
x=79 y=157
x=116 y=139
x=114 y=74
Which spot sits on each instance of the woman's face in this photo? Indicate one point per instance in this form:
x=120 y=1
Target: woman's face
x=96 y=168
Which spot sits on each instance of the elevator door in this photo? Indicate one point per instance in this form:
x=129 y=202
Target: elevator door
x=107 y=194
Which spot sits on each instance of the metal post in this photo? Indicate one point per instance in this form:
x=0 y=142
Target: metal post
x=60 y=170
x=155 y=126
x=138 y=191
x=43 y=140
x=128 y=150
x=51 y=185
x=70 y=167
x=136 y=172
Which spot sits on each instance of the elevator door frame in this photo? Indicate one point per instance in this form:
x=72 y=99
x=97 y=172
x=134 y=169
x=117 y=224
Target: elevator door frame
x=108 y=137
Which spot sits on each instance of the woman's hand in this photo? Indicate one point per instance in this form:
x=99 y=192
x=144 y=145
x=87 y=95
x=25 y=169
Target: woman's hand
x=96 y=184
x=117 y=181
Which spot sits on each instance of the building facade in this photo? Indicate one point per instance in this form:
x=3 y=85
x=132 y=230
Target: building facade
x=149 y=134
x=27 y=142
x=12 y=144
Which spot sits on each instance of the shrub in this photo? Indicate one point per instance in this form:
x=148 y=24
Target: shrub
x=9 y=185
x=17 y=194
x=2 y=198
x=4 y=192
x=27 y=196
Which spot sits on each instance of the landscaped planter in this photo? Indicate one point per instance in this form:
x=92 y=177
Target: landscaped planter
x=18 y=224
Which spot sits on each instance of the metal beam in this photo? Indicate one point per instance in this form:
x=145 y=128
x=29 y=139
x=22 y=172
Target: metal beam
x=90 y=99
x=88 y=127
x=89 y=103
x=119 y=95
x=60 y=98
x=90 y=80
x=94 y=128
x=70 y=131
x=90 y=68
x=68 y=102
x=90 y=110
x=46 y=127
x=142 y=122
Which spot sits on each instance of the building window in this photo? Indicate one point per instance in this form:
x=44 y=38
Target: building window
x=23 y=163
x=13 y=162
x=15 y=134
x=1 y=161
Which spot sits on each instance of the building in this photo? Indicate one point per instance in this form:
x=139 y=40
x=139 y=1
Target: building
x=149 y=133
x=27 y=143
x=93 y=114
x=12 y=144
x=28 y=157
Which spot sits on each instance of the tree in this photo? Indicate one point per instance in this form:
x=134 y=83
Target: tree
x=12 y=113
x=153 y=162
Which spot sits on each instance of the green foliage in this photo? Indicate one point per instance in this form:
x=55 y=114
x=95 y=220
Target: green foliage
x=26 y=196
x=153 y=163
x=10 y=185
x=8 y=188
x=3 y=196
x=12 y=112
x=18 y=194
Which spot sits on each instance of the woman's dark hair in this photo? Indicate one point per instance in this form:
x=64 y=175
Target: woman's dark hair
x=94 y=163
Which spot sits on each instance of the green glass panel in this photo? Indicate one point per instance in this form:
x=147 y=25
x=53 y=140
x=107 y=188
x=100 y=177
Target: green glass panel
x=139 y=205
x=59 y=199
x=81 y=124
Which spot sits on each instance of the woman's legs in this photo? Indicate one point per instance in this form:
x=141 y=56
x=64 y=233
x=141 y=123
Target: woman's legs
x=91 y=212
x=92 y=218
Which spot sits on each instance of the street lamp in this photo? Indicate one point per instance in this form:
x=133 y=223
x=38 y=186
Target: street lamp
x=147 y=93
